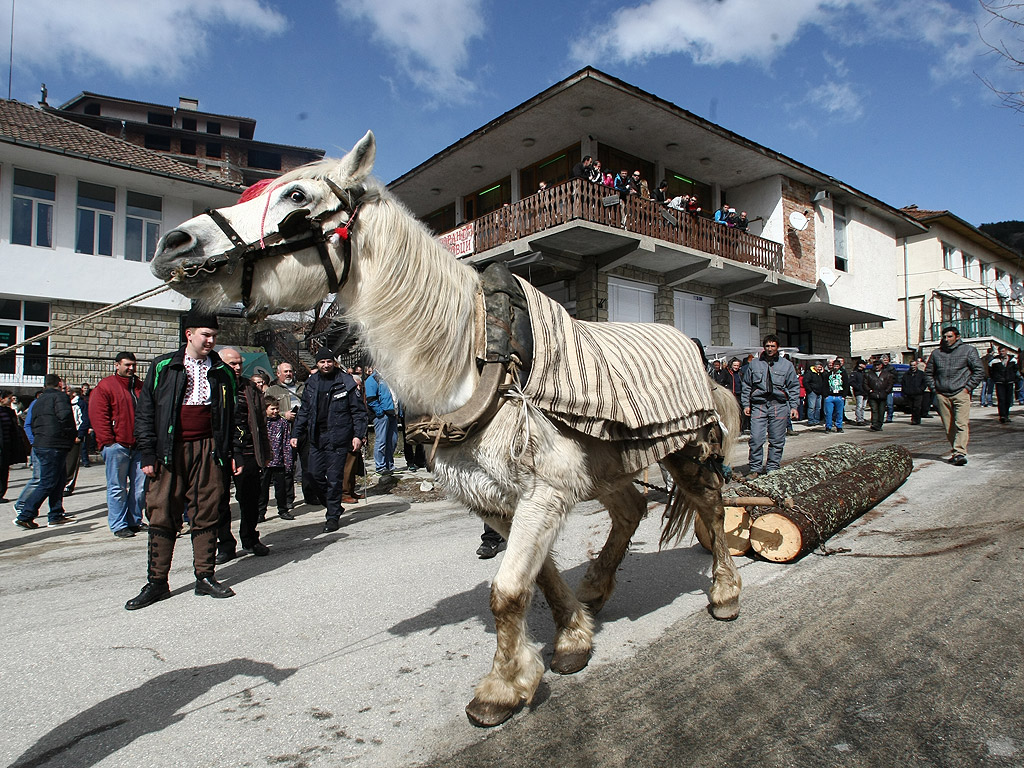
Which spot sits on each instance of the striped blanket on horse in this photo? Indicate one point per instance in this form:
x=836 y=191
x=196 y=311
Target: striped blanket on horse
x=642 y=385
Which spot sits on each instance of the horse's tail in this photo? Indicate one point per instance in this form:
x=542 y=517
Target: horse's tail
x=697 y=484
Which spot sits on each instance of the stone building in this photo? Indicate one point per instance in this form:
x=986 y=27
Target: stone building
x=815 y=259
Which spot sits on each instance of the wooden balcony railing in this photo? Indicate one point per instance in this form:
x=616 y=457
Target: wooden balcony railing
x=582 y=200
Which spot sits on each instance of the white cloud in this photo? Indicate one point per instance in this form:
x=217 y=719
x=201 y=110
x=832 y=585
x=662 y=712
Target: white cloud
x=429 y=40
x=709 y=31
x=839 y=100
x=155 y=38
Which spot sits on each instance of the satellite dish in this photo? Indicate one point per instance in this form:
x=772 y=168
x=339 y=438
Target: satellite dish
x=828 y=276
x=1002 y=289
x=798 y=221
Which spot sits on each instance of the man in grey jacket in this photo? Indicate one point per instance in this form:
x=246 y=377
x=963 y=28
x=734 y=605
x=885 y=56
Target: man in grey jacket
x=953 y=370
x=771 y=396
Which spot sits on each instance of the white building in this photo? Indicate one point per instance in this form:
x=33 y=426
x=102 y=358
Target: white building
x=816 y=258
x=80 y=215
x=951 y=275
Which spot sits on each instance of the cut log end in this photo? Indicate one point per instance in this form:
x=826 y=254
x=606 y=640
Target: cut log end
x=737 y=531
x=775 y=537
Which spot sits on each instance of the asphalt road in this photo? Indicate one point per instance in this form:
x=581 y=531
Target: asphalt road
x=362 y=647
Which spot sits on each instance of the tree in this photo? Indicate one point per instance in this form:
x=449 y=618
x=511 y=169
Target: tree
x=1011 y=16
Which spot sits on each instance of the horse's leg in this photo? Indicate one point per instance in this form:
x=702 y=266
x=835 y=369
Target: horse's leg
x=626 y=506
x=701 y=488
x=574 y=628
x=518 y=667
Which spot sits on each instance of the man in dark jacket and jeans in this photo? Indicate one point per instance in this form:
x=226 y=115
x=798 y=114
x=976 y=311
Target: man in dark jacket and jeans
x=53 y=433
x=183 y=427
x=333 y=418
x=953 y=371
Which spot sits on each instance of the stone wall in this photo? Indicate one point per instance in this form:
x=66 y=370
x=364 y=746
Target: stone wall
x=799 y=258
x=831 y=338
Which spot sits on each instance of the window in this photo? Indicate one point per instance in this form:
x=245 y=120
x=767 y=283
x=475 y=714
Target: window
x=95 y=224
x=157 y=143
x=988 y=276
x=442 y=220
x=32 y=214
x=680 y=184
x=212 y=127
x=488 y=199
x=551 y=170
x=972 y=269
x=794 y=332
x=20 y=320
x=693 y=315
x=630 y=302
x=188 y=146
x=213 y=149
x=269 y=160
x=159 y=118
x=839 y=226
x=949 y=259
x=92 y=108
x=188 y=123
x=867 y=326
x=142 y=226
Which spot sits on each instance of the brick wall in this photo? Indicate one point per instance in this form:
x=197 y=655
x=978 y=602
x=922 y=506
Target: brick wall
x=798 y=249
x=831 y=338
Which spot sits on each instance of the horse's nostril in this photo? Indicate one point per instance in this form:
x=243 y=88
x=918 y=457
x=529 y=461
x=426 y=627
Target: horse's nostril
x=176 y=241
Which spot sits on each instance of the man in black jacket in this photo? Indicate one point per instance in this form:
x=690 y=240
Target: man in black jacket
x=53 y=432
x=333 y=419
x=251 y=448
x=913 y=390
x=183 y=428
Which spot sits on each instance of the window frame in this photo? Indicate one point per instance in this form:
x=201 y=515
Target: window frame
x=149 y=228
x=36 y=203
x=98 y=215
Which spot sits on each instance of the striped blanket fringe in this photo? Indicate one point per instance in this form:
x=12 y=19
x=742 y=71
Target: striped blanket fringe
x=641 y=385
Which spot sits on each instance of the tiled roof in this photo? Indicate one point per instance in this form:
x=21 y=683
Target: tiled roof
x=920 y=214
x=29 y=126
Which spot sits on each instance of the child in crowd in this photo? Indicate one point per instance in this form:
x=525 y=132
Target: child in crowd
x=280 y=469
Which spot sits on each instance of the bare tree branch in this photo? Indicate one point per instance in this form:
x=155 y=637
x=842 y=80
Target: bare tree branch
x=1011 y=16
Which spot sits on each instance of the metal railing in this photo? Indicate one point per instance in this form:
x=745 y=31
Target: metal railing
x=980 y=327
x=577 y=200
x=28 y=370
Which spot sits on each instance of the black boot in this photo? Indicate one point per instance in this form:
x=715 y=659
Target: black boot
x=208 y=585
x=153 y=592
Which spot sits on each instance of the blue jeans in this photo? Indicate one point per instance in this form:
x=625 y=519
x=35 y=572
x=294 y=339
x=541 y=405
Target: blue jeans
x=834 y=405
x=889 y=407
x=126 y=486
x=51 y=484
x=813 y=408
x=385 y=438
x=767 y=421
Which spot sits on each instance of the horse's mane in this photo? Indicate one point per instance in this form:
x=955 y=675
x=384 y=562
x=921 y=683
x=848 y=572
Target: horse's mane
x=411 y=299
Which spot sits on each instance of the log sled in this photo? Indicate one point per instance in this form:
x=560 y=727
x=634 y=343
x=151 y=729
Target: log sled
x=786 y=514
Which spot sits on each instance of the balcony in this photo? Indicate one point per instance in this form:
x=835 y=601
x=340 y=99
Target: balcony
x=980 y=328
x=582 y=201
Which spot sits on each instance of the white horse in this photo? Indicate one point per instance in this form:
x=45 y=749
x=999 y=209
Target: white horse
x=330 y=227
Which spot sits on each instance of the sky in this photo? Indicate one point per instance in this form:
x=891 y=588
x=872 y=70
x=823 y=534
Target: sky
x=888 y=96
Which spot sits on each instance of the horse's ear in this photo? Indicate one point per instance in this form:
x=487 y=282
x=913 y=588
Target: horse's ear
x=357 y=164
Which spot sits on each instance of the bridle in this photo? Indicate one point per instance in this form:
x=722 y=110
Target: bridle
x=295 y=232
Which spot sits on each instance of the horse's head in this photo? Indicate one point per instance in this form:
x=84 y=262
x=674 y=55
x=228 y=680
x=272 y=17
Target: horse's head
x=283 y=249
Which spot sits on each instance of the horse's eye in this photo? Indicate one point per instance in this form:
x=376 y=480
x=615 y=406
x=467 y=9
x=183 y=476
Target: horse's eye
x=297 y=196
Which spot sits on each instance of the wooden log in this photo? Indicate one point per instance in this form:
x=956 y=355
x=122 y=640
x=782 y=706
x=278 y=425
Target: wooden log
x=784 y=534
x=737 y=531
x=797 y=476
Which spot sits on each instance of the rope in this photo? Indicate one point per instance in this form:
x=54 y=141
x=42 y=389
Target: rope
x=91 y=316
x=515 y=392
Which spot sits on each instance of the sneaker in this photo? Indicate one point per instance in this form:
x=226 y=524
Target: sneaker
x=62 y=520
x=839 y=429
x=489 y=549
x=331 y=525
x=827 y=430
x=125 y=533
x=28 y=525
x=959 y=460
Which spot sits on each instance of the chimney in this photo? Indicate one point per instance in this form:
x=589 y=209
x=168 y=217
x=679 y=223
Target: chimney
x=186 y=103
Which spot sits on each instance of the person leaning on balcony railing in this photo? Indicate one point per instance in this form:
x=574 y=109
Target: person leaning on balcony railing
x=721 y=214
x=582 y=169
x=596 y=175
x=741 y=222
x=692 y=206
x=661 y=193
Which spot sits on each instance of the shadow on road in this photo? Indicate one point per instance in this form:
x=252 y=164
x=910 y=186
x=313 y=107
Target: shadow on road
x=100 y=731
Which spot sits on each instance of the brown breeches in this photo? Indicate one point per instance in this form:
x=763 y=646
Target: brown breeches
x=196 y=479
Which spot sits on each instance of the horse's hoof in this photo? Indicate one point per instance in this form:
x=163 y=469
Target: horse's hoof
x=569 y=663
x=725 y=612
x=486 y=714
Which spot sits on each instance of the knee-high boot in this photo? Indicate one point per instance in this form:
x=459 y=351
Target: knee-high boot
x=161 y=550
x=204 y=551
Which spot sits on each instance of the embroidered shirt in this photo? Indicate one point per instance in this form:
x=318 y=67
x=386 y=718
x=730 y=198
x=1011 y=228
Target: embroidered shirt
x=198 y=390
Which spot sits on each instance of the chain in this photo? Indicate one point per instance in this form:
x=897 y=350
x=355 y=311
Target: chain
x=666 y=491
